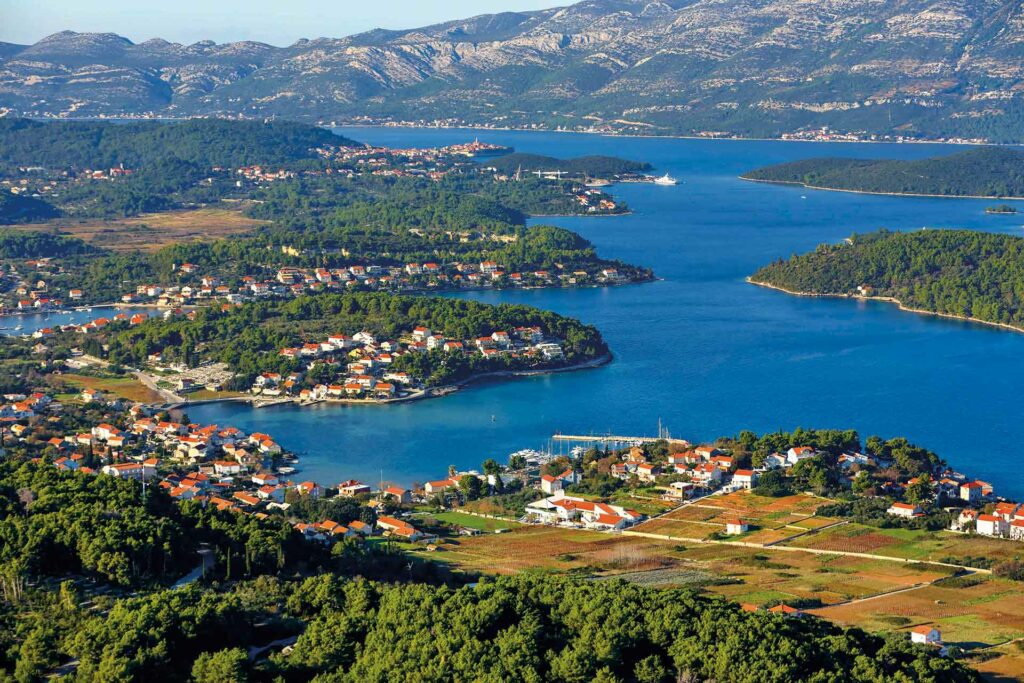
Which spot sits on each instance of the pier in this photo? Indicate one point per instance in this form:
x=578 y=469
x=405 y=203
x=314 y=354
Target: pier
x=617 y=439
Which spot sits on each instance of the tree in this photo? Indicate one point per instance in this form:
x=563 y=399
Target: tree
x=773 y=483
x=471 y=487
x=223 y=666
x=920 y=491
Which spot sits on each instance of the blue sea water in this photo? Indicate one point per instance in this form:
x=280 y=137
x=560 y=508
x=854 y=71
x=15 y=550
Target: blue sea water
x=700 y=349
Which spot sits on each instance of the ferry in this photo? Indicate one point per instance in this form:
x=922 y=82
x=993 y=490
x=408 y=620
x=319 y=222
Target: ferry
x=664 y=180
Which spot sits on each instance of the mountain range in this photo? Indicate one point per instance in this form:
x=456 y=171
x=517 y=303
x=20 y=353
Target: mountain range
x=915 y=68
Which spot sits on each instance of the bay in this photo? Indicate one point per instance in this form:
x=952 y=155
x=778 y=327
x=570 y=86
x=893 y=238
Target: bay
x=700 y=349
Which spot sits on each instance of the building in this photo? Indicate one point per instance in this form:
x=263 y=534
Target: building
x=907 y=510
x=735 y=527
x=992 y=525
x=746 y=479
x=926 y=635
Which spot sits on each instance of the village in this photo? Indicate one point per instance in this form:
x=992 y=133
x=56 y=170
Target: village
x=654 y=489
x=29 y=292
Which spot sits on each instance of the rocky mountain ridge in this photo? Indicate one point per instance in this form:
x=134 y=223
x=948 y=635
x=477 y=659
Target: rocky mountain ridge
x=919 y=68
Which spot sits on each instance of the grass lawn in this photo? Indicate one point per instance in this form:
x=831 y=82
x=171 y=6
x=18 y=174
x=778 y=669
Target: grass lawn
x=474 y=522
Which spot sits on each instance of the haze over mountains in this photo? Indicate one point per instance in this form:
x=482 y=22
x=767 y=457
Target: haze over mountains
x=747 y=67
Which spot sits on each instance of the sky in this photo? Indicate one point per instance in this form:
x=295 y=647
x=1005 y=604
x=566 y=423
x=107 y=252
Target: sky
x=278 y=22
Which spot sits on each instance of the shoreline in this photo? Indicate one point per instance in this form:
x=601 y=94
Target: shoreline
x=613 y=134
x=889 y=300
x=797 y=183
x=433 y=392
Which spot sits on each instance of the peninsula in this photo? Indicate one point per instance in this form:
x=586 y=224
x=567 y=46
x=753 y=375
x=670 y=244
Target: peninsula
x=989 y=172
x=957 y=273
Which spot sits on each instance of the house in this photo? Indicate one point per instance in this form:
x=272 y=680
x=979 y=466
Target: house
x=992 y=525
x=905 y=510
x=971 y=491
x=746 y=479
x=310 y=488
x=926 y=635
x=1017 y=529
x=353 y=488
x=795 y=455
x=91 y=395
x=397 y=494
x=965 y=520
x=735 y=527
x=1006 y=510
x=787 y=611
x=550 y=484
x=432 y=487
x=775 y=461
x=647 y=472
x=128 y=470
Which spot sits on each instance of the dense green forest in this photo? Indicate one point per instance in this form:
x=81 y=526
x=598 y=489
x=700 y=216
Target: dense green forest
x=249 y=337
x=202 y=142
x=957 y=272
x=20 y=209
x=983 y=171
x=593 y=166
x=525 y=628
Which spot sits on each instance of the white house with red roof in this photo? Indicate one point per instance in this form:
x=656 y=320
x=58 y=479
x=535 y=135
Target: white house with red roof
x=798 y=453
x=992 y=525
x=907 y=510
x=745 y=479
x=562 y=509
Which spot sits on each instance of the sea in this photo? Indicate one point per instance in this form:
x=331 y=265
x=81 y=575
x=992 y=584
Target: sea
x=700 y=353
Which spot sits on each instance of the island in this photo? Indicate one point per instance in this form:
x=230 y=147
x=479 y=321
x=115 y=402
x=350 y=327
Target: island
x=1001 y=210
x=955 y=273
x=978 y=172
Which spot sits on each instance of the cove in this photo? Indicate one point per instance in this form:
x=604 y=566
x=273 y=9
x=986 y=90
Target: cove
x=700 y=349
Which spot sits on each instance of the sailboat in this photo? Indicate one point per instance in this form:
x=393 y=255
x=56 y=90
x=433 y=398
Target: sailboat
x=665 y=180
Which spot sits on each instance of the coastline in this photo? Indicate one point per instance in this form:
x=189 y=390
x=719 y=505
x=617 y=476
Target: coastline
x=797 y=183
x=613 y=134
x=889 y=300
x=433 y=392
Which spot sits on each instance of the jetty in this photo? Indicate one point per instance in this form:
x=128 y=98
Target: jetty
x=618 y=439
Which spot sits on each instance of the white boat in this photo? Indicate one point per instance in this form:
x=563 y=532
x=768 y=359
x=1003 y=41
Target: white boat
x=665 y=180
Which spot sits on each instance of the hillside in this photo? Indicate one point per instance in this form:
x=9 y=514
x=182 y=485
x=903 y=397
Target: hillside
x=757 y=68
x=980 y=172
x=961 y=273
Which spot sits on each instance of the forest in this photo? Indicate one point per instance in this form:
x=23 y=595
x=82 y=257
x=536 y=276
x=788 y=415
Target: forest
x=248 y=338
x=203 y=142
x=529 y=628
x=955 y=272
x=978 y=172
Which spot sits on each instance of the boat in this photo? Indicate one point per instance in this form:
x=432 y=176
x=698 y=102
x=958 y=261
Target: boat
x=664 y=180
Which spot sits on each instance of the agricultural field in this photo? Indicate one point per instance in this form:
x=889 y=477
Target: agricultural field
x=911 y=544
x=972 y=612
x=1002 y=663
x=553 y=548
x=763 y=576
x=127 y=388
x=151 y=231
x=772 y=520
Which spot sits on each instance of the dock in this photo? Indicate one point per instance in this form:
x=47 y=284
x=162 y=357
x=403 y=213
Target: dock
x=614 y=438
